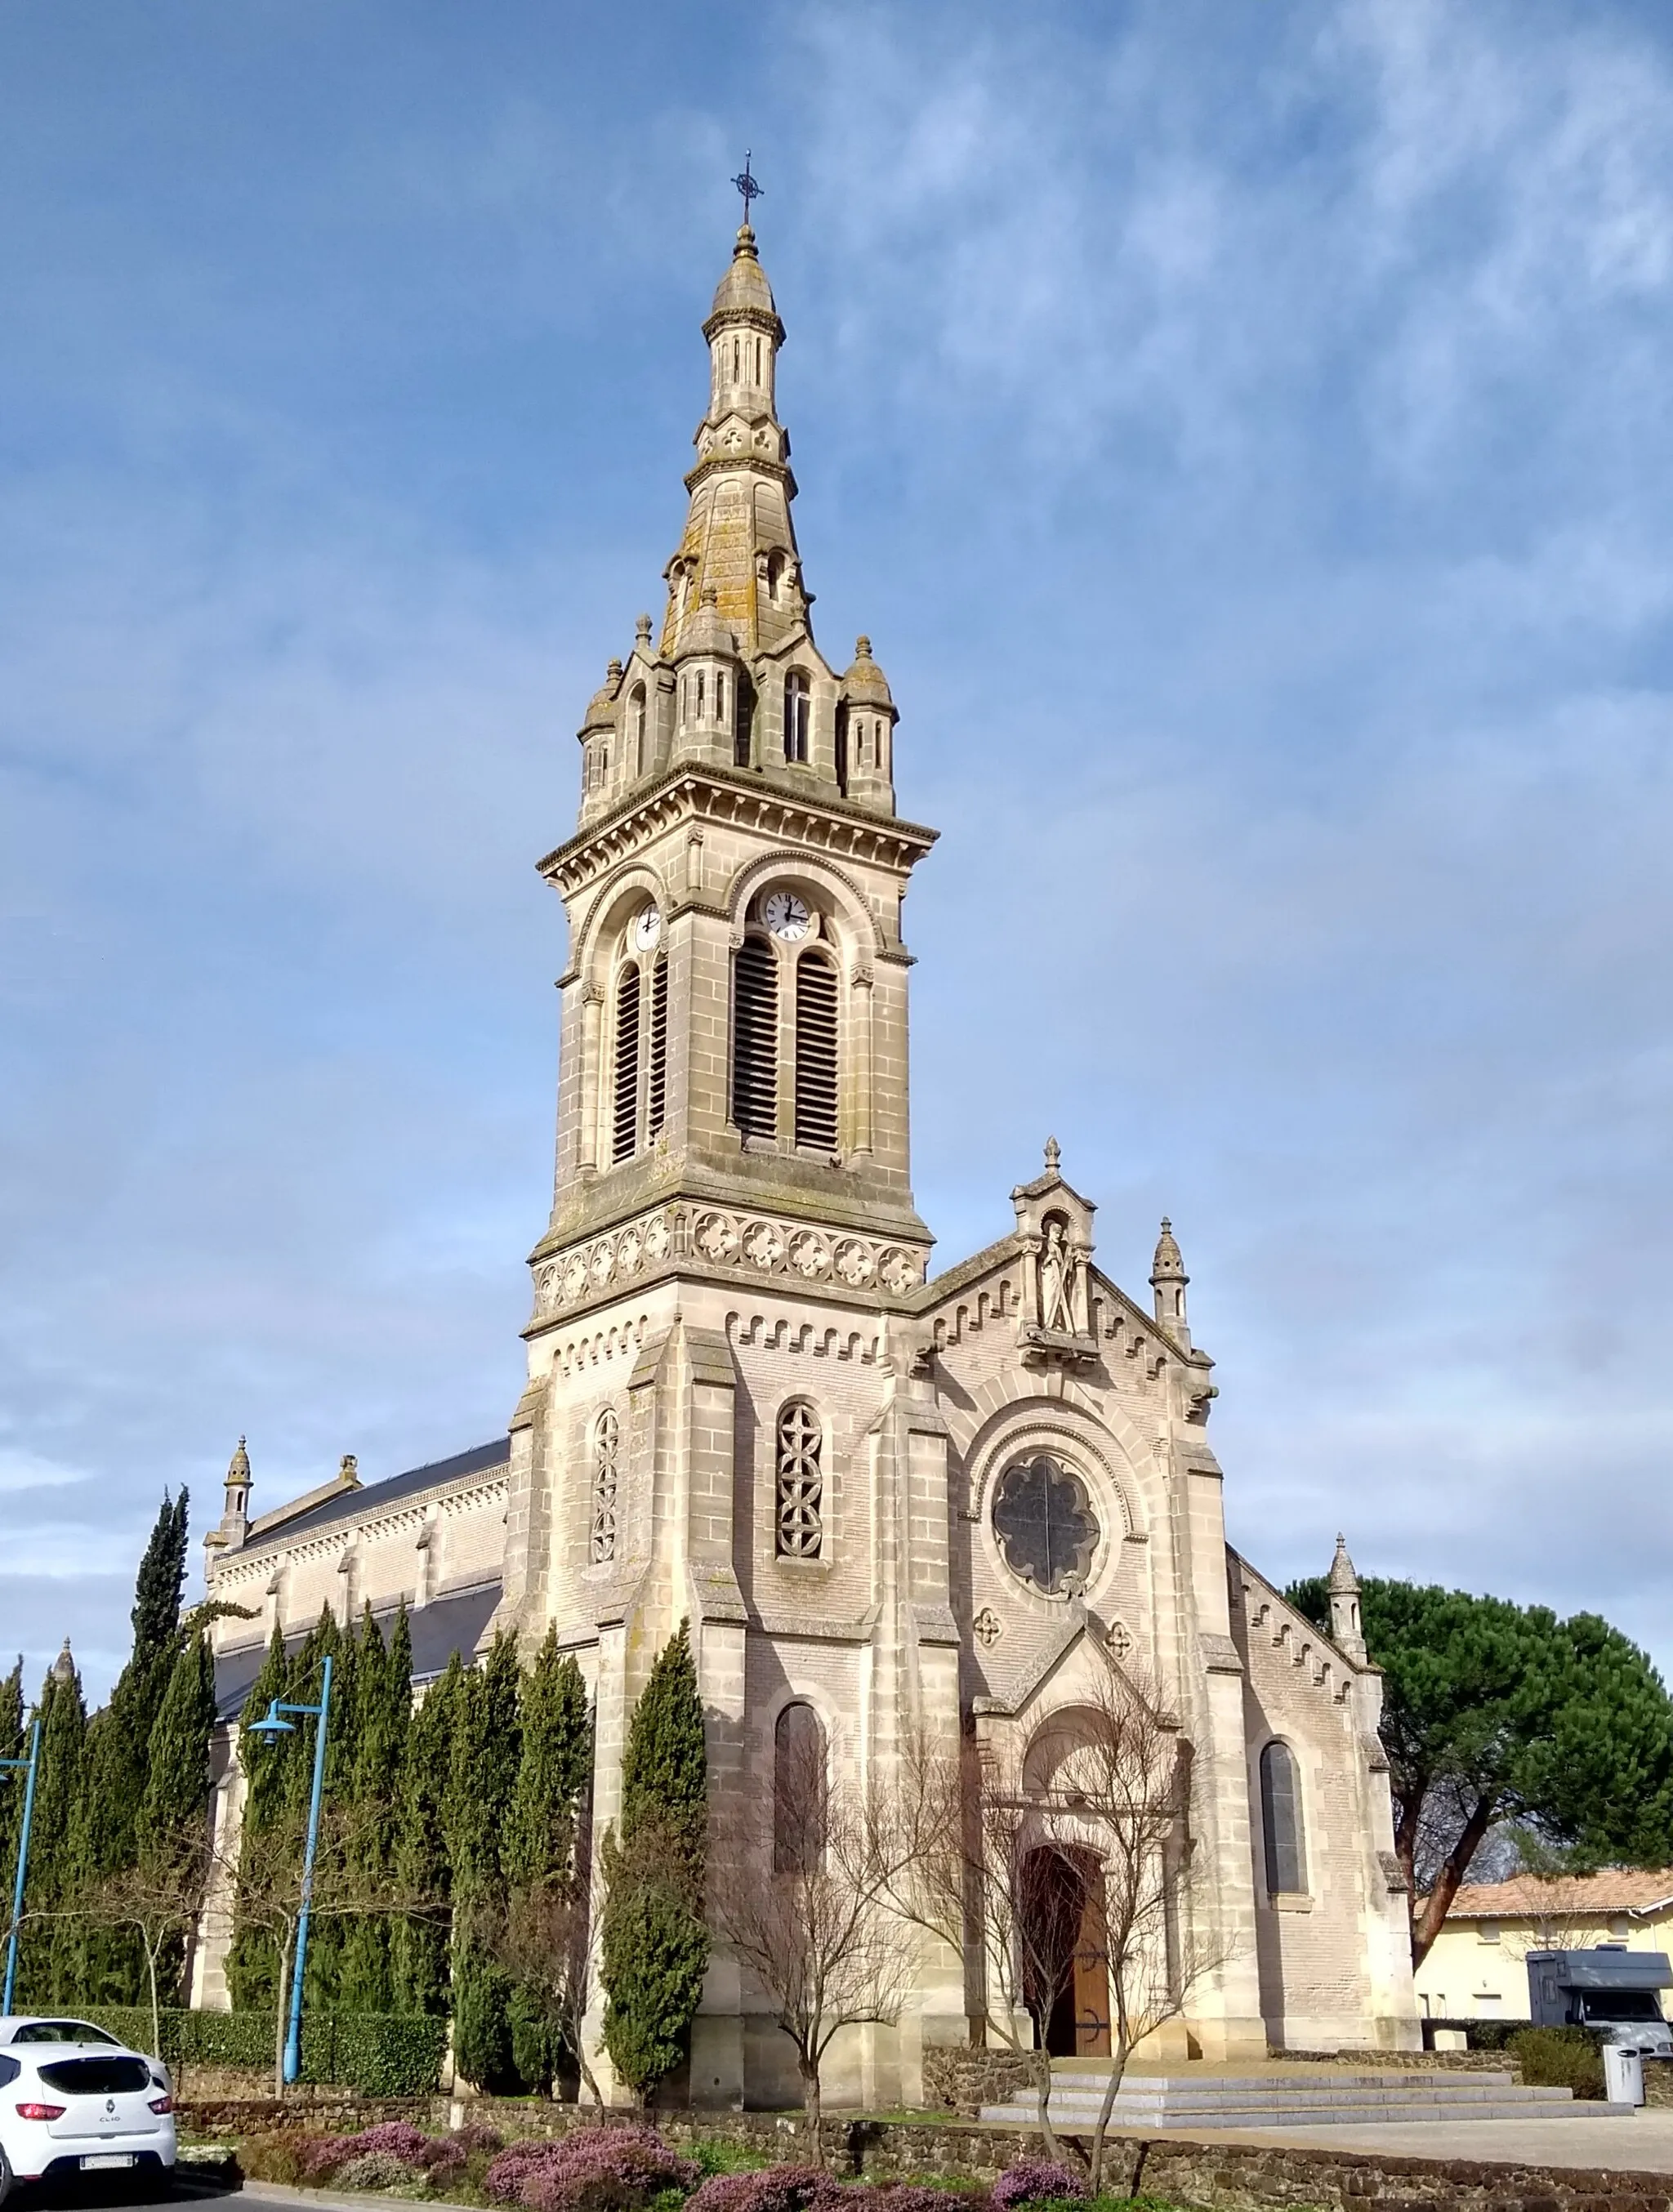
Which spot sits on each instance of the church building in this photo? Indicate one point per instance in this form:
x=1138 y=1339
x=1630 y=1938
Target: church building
x=894 y=1505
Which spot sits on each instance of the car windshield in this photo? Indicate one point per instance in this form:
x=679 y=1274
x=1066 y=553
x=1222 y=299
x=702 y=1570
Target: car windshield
x=62 y=2031
x=1622 y=2004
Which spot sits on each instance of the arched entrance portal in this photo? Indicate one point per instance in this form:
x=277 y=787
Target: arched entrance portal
x=1064 y=1943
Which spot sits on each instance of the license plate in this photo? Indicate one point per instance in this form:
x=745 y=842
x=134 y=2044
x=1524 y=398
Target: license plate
x=107 y=2157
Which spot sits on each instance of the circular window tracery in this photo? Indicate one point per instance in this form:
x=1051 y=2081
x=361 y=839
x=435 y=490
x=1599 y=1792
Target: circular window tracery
x=1045 y=1525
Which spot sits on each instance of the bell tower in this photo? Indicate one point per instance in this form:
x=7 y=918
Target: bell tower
x=734 y=1009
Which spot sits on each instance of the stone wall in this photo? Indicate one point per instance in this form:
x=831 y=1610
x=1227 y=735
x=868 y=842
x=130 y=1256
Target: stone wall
x=1216 y=2177
x=957 y=2079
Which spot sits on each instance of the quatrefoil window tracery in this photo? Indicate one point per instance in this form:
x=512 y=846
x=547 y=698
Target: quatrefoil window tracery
x=800 y=1483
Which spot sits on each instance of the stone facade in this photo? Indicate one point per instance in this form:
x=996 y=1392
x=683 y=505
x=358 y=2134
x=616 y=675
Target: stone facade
x=750 y=1404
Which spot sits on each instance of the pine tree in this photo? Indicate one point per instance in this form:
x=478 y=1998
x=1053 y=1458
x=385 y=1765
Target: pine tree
x=654 y=1946
x=421 y=1864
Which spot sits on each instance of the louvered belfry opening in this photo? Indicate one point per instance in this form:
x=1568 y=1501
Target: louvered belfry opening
x=755 y=1040
x=656 y=1088
x=625 y=1126
x=816 y=1052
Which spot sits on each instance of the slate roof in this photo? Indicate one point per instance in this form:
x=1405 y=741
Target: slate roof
x=451 y=1623
x=373 y=1497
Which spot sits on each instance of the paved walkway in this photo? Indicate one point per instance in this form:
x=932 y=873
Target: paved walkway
x=1640 y=2143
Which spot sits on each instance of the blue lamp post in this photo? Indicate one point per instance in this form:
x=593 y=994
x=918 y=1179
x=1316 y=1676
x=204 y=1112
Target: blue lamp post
x=271 y=1724
x=29 y=1766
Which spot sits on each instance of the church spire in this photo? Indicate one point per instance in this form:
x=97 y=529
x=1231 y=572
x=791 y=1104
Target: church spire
x=732 y=680
x=739 y=541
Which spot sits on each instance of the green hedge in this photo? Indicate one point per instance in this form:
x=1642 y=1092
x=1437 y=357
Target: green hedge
x=379 y=2054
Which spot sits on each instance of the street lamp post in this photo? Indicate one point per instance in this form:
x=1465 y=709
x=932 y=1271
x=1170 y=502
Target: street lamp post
x=271 y=1724
x=29 y=1766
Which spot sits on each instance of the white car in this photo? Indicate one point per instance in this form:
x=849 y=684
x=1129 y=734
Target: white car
x=74 y=2100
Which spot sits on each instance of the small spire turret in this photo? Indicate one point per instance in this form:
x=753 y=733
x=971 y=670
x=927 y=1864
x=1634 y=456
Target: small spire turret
x=64 y=1667
x=235 y=1510
x=1344 y=1584
x=1168 y=1279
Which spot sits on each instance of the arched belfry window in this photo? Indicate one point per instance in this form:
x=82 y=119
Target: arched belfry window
x=1281 y=1821
x=606 y=1443
x=656 y=1086
x=755 y=1039
x=624 y=1119
x=798 y=716
x=816 y=1052
x=800 y=1482
x=801 y=1786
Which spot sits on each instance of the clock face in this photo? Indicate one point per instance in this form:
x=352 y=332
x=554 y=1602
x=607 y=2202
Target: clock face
x=647 y=929
x=786 y=915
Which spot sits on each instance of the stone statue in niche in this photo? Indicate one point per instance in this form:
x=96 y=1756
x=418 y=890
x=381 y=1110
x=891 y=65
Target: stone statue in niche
x=1059 y=1264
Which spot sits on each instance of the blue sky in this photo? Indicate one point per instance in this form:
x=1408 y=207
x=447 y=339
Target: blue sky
x=1243 y=431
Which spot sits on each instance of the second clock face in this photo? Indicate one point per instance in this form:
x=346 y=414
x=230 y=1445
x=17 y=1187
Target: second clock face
x=647 y=929
x=786 y=915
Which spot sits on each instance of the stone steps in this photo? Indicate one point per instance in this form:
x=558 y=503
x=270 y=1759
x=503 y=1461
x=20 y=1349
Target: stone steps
x=1270 y=2101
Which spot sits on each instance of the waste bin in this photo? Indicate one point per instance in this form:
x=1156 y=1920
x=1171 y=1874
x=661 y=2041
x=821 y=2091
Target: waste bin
x=1623 y=2075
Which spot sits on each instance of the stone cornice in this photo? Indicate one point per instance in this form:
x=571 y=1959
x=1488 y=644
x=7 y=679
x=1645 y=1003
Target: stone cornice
x=372 y=1518
x=687 y=793
x=725 y=1244
x=756 y=464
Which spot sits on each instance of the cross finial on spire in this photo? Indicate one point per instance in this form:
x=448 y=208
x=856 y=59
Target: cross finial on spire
x=748 y=188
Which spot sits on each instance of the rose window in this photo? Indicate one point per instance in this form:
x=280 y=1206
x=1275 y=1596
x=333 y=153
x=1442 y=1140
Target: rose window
x=1045 y=1525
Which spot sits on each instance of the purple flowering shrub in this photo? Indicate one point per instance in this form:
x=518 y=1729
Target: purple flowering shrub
x=593 y=2169
x=321 y=2157
x=1032 y=2179
x=774 y=2189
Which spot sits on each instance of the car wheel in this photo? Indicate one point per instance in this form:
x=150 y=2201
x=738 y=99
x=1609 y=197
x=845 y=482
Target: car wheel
x=5 y=2177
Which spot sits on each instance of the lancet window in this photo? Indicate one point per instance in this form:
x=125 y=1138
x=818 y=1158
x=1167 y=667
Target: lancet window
x=798 y=716
x=800 y=1792
x=606 y=1443
x=800 y=1476
x=1281 y=1821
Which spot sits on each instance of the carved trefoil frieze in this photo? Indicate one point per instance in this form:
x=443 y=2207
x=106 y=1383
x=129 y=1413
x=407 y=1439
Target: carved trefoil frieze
x=747 y=1243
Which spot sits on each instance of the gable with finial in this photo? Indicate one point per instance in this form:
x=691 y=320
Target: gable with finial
x=1055 y=1226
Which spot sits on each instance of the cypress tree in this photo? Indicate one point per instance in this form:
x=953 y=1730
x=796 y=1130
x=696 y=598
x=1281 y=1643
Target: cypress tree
x=556 y=1767
x=540 y=1850
x=482 y=1786
x=252 y=1963
x=325 y=1945
x=107 y=1965
x=423 y=1870
x=654 y=1946
x=383 y=1700
x=49 y=1954
x=177 y=1785
x=14 y=1744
